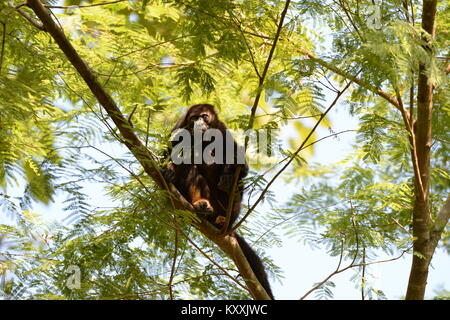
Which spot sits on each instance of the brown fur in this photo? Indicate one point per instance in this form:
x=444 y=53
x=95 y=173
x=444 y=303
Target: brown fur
x=202 y=185
x=199 y=183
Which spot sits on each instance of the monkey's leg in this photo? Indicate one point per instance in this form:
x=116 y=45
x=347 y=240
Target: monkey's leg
x=198 y=191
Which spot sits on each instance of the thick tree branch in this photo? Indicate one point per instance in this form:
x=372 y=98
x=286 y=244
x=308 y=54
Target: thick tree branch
x=423 y=244
x=228 y=244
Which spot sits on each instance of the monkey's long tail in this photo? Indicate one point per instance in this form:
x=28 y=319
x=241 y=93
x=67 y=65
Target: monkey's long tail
x=256 y=264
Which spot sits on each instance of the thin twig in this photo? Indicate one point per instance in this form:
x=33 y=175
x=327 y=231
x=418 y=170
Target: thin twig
x=262 y=78
x=411 y=102
x=38 y=25
x=130 y=117
x=147 y=129
x=145 y=48
x=215 y=263
x=134 y=175
x=266 y=67
x=363 y=275
x=402 y=227
x=101 y=118
x=329 y=276
x=286 y=220
x=412 y=139
x=349 y=16
x=252 y=58
x=172 y=270
x=3 y=45
x=20 y=5
x=231 y=197
x=110 y=74
x=354 y=266
x=151 y=65
x=84 y=5
x=276 y=114
x=307 y=146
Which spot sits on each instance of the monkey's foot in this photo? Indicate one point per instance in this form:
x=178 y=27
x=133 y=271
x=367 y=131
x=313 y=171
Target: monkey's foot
x=220 y=220
x=203 y=205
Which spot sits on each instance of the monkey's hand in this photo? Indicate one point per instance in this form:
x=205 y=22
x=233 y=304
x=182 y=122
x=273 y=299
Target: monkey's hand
x=225 y=182
x=168 y=173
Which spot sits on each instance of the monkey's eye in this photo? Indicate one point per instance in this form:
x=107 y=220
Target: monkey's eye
x=205 y=116
x=194 y=118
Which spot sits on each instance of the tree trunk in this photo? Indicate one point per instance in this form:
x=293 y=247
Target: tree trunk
x=424 y=247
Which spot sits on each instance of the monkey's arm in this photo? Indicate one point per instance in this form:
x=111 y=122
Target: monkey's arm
x=168 y=172
x=229 y=169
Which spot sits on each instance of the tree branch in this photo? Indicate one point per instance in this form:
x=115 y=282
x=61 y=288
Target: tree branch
x=3 y=45
x=84 y=5
x=266 y=67
x=422 y=220
x=174 y=261
x=29 y=18
x=231 y=198
x=252 y=58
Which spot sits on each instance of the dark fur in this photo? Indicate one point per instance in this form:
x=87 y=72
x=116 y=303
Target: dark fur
x=203 y=185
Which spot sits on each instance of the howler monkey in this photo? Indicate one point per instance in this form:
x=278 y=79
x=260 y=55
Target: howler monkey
x=204 y=160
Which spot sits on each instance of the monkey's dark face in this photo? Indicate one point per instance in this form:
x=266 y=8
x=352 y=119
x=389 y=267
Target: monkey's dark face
x=199 y=122
x=201 y=118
